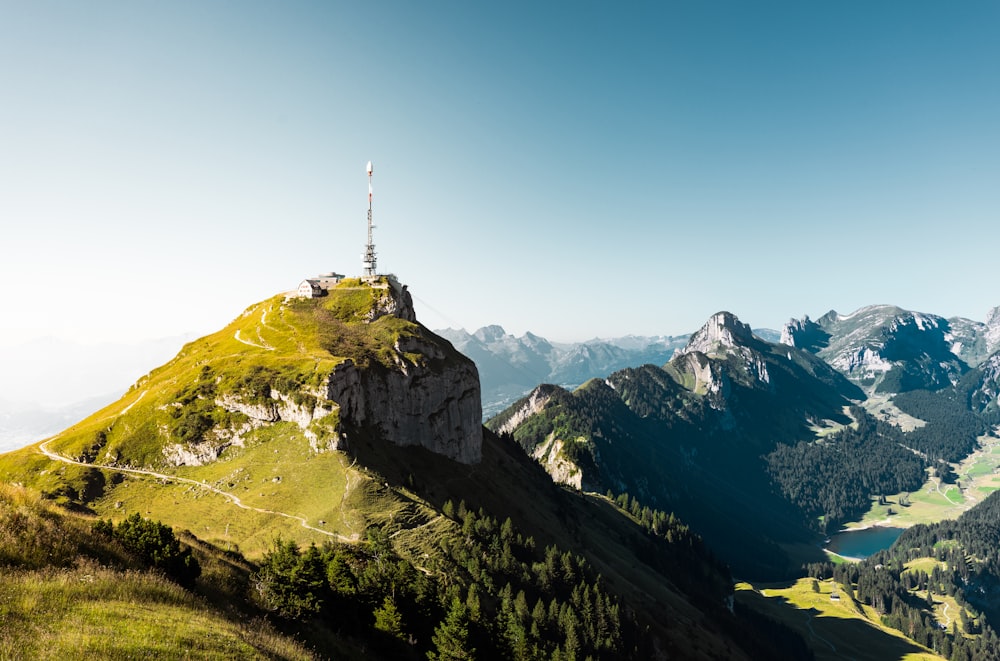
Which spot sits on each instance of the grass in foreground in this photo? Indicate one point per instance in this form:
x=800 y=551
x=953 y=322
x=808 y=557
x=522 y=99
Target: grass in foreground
x=96 y=612
x=67 y=593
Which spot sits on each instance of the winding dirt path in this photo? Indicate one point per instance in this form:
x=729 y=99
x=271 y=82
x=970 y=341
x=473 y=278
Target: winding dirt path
x=233 y=498
x=251 y=344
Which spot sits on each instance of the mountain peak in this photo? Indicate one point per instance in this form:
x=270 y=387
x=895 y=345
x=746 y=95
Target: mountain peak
x=488 y=334
x=993 y=317
x=806 y=334
x=722 y=330
x=352 y=362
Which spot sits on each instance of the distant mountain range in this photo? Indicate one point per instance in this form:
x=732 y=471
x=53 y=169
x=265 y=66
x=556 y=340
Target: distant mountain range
x=21 y=424
x=511 y=366
x=722 y=432
x=888 y=349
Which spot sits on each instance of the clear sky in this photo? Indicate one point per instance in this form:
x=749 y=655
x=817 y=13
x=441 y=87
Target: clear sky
x=576 y=169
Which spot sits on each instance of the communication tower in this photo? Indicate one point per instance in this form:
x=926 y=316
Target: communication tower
x=368 y=259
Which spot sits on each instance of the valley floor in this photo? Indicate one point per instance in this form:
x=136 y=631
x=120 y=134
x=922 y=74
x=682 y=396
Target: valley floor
x=978 y=477
x=838 y=627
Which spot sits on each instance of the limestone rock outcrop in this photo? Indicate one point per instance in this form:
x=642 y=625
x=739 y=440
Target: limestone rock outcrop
x=395 y=301
x=531 y=405
x=722 y=331
x=438 y=409
x=282 y=408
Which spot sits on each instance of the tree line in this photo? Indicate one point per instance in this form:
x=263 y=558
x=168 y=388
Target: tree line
x=834 y=479
x=490 y=594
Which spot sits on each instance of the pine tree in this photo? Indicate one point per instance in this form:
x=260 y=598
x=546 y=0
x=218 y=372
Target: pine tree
x=389 y=619
x=451 y=637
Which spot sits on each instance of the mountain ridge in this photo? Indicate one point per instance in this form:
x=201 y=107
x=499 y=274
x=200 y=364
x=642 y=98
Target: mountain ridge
x=682 y=437
x=884 y=348
x=305 y=410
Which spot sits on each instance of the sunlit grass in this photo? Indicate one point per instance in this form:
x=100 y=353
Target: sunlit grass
x=280 y=473
x=67 y=593
x=834 y=625
x=92 y=611
x=936 y=501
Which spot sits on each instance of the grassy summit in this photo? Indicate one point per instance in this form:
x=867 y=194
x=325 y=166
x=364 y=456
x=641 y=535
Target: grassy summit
x=188 y=420
x=280 y=345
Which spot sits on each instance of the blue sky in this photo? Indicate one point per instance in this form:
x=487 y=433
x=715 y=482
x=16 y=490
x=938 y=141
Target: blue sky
x=575 y=169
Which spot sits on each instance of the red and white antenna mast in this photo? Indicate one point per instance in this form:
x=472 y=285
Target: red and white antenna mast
x=368 y=259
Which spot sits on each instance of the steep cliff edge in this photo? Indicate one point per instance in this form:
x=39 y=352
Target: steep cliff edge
x=354 y=361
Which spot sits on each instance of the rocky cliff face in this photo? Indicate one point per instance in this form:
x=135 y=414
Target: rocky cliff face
x=993 y=330
x=436 y=407
x=723 y=336
x=721 y=332
x=395 y=301
x=551 y=455
x=432 y=401
x=804 y=334
x=418 y=390
x=986 y=396
x=526 y=408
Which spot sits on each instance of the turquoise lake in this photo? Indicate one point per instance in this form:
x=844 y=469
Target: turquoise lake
x=863 y=543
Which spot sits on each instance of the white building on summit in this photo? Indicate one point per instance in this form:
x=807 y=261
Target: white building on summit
x=319 y=285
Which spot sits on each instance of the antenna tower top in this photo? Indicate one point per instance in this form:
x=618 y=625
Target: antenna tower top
x=368 y=259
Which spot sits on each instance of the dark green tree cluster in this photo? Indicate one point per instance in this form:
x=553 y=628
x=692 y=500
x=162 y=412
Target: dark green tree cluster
x=836 y=478
x=259 y=381
x=361 y=589
x=492 y=595
x=898 y=596
x=194 y=411
x=952 y=427
x=154 y=544
x=660 y=523
x=522 y=606
x=292 y=583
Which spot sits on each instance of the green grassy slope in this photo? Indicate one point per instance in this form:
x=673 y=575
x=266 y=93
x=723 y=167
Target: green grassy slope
x=288 y=346
x=68 y=593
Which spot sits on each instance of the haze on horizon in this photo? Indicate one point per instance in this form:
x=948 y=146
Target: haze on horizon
x=576 y=170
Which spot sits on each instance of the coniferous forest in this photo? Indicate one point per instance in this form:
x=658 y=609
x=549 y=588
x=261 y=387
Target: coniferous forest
x=951 y=562
x=495 y=595
x=834 y=479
